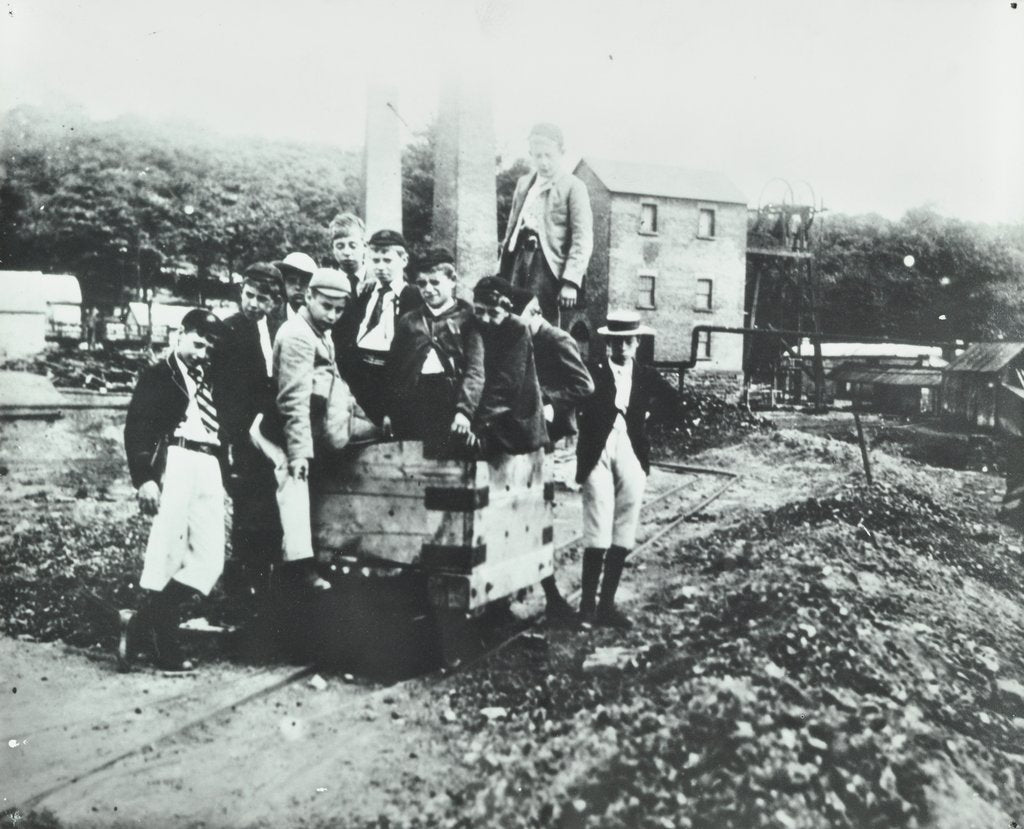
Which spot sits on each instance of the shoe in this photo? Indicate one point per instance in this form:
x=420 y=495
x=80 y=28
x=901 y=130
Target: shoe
x=610 y=616
x=587 y=615
x=125 y=642
x=559 y=614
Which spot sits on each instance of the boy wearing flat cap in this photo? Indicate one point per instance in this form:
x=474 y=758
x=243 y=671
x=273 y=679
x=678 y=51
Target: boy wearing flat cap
x=297 y=269
x=175 y=443
x=435 y=369
x=304 y=367
x=511 y=415
x=243 y=363
x=613 y=460
x=371 y=318
x=550 y=235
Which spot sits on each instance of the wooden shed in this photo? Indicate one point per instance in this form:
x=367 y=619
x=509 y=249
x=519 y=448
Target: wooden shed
x=984 y=387
x=895 y=389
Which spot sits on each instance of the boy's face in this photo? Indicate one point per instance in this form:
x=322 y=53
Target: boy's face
x=255 y=302
x=325 y=309
x=436 y=288
x=388 y=265
x=623 y=348
x=349 y=252
x=193 y=349
x=295 y=283
x=546 y=155
x=490 y=315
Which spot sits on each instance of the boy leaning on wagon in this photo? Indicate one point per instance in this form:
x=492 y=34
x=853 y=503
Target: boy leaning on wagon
x=308 y=386
x=176 y=445
x=243 y=363
x=613 y=460
x=370 y=320
x=435 y=369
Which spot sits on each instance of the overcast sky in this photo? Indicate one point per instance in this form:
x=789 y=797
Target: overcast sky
x=880 y=104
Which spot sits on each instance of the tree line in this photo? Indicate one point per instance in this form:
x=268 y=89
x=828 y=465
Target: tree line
x=130 y=206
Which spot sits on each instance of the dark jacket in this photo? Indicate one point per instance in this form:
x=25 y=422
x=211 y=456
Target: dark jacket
x=239 y=372
x=563 y=376
x=651 y=395
x=456 y=338
x=158 y=405
x=511 y=414
x=347 y=328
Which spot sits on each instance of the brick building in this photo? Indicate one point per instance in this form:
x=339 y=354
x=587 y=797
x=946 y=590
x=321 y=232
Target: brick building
x=670 y=243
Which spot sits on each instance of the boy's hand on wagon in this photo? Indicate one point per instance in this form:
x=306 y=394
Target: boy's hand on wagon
x=460 y=425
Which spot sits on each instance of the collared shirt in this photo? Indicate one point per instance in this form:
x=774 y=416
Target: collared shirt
x=192 y=428
x=290 y=312
x=433 y=364
x=623 y=377
x=268 y=349
x=380 y=336
x=531 y=216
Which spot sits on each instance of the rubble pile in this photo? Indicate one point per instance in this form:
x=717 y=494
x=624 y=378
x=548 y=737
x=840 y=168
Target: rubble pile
x=107 y=372
x=839 y=662
x=702 y=421
x=63 y=579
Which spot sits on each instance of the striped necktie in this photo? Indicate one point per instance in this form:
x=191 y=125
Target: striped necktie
x=204 y=399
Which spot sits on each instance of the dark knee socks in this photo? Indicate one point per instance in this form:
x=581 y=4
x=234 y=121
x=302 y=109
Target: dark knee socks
x=614 y=563
x=593 y=559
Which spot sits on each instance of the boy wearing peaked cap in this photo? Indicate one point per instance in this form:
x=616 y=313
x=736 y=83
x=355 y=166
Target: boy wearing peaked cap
x=297 y=269
x=175 y=443
x=613 y=460
x=305 y=370
x=364 y=336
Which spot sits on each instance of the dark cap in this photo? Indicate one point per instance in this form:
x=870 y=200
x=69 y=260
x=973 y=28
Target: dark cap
x=520 y=298
x=387 y=239
x=204 y=323
x=266 y=276
x=493 y=290
x=434 y=257
x=550 y=131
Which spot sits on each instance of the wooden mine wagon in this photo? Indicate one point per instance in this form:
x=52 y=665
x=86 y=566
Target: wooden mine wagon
x=480 y=530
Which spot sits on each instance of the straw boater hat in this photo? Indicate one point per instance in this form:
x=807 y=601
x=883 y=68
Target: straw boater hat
x=623 y=324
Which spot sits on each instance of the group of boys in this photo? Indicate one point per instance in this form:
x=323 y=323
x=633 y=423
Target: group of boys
x=239 y=401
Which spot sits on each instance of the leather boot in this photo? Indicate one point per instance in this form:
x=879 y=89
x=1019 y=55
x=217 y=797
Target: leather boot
x=607 y=613
x=166 y=617
x=593 y=559
x=557 y=609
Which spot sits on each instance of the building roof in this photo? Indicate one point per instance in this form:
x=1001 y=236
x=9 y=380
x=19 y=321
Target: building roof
x=985 y=358
x=20 y=292
x=664 y=180
x=887 y=375
x=833 y=351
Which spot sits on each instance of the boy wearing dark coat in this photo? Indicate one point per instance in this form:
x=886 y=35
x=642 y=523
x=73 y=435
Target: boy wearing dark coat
x=613 y=460
x=242 y=364
x=435 y=369
x=175 y=444
x=511 y=415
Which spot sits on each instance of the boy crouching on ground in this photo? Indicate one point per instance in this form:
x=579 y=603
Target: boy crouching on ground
x=175 y=446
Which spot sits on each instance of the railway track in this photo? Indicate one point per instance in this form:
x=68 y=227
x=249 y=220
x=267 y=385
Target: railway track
x=665 y=510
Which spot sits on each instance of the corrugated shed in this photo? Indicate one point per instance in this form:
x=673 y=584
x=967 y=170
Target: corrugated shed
x=664 y=180
x=985 y=358
x=887 y=376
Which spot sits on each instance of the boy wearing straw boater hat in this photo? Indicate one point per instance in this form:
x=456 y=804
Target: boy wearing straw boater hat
x=613 y=460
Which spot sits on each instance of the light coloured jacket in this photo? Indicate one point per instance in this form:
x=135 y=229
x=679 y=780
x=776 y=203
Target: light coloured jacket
x=303 y=366
x=568 y=237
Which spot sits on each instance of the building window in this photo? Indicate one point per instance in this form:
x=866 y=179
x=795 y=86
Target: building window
x=706 y=223
x=648 y=218
x=704 y=295
x=645 y=291
x=704 y=345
